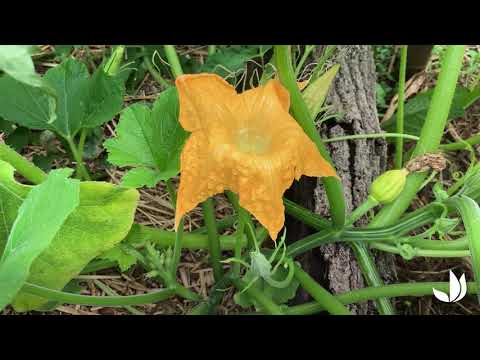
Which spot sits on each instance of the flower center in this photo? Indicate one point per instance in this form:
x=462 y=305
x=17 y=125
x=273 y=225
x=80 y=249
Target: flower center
x=252 y=141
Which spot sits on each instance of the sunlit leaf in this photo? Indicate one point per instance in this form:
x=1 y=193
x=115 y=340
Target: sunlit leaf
x=16 y=61
x=37 y=223
x=102 y=219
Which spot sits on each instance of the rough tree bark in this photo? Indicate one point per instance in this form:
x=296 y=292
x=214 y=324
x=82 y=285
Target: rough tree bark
x=358 y=163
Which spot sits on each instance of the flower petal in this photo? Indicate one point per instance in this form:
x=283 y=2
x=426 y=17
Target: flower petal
x=271 y=95
x=247 y=143
x=310 y=162
x=261 y=184
x=204 y=100
x=200 y=176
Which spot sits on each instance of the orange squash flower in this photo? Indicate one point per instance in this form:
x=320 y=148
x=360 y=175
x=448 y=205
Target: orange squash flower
x=247 y=143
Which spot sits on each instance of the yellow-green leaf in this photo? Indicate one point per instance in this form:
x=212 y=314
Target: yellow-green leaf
x=37 y=223
x=316 y=92
x=102 y=220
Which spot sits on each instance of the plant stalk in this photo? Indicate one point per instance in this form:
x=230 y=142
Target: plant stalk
x=213 y=238
x=400 y=111
x=26 y=168
x=322 y=296
x=333 y=186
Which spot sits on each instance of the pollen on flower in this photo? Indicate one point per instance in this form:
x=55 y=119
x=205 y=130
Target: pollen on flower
x=252 y=141
x=247 y=143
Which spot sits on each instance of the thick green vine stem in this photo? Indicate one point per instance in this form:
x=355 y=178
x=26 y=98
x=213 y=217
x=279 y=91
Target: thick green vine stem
x=177 y=249
x=362 y=209
x=64 y=297
x=371 y=275
x=406 y=224
x=461 y=145
x=470 y=212
x=155 y=73
x=333 y=186
x=322 y=296
x=213 y=238
x=192 y=241
x=365 y=294
x=431 y=134
x=401 y=100
x=109 y=291
x=173 y=60
x=306 y=216
x=365 y=259
x=420 y=252
x=27 y=169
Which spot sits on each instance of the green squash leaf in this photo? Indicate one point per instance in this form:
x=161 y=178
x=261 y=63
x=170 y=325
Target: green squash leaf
x=142 y=176
x=124 y=260
x=277 y=295
x=16 y=61
x=102 y=219
x=316 y=92
x=82 y=101
x=38 y=221
x=416 y=110
x=11 y=197
x=18 y=139
x=230 y=59
x=149 y=140
x=25 y=105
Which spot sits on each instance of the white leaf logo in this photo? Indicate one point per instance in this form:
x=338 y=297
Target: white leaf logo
x=458 y=290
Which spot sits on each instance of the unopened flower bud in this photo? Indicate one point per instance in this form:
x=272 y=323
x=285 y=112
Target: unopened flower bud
x=386 y=188
x=113 y=64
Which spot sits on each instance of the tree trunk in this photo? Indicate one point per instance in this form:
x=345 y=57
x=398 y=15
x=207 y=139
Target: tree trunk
x=358 y=163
